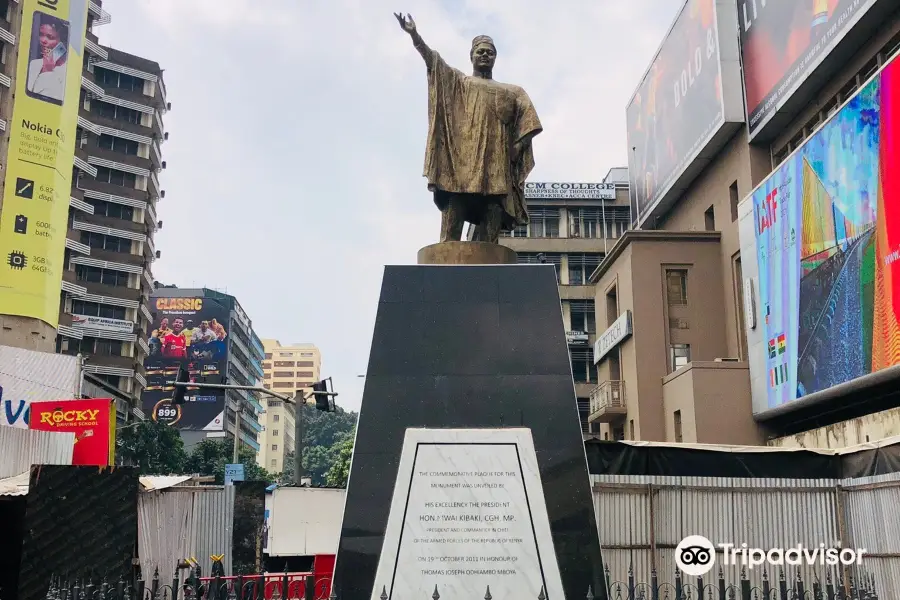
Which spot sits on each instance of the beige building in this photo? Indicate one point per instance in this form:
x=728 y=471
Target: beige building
x=287 y=370
x=672 y=352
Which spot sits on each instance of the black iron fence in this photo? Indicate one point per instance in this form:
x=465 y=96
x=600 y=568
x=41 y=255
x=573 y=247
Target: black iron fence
x=192 y=586
x=715 y=587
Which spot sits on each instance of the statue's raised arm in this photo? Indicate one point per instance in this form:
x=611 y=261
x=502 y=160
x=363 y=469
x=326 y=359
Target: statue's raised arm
x=409 y=26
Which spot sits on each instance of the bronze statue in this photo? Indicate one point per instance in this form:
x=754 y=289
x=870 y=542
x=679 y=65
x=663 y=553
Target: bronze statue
x=478 y=152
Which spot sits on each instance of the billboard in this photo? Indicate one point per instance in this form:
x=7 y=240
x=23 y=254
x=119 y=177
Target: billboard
x=93 y=422
x=28 y=376
x=188 y=332
x=782 y=43
x=690 y=91
x=826 y=229
x=38 y=177
x=570 y=191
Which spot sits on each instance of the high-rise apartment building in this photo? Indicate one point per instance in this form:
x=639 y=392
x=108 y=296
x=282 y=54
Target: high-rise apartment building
x=109 y=251
x=287 y=370
x=573 y=226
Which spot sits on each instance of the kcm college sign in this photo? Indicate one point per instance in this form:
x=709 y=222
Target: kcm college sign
x=570 y=191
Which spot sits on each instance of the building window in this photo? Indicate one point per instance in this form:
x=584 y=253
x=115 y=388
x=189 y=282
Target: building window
x=583 y=316
x=284 y=374
x=117 y=144
x=116 y=177
x=631 y=429
x=108 y=78
x=530 y=258
x=95 y=347
x=274 y=462
x=678 y=436
x=111 y=209
x=267 y=375
x=304 y=374
x=543 y=222
x=520 y=231
x=274 y=446
x=110 y=243
x=275 y=432
x=709 y=219
x=276 y=418
x=581 y=266
x=676 y=287
x=283 y=384
x=104 y=276
x=287 y=354
x=268 y=356
x=305 y=363
x=679 y=355
x=734 y=200
x=93 y=309
x=583 y=370
x=284 y=363
x=585 y=223
x=619 y=433
x=117 y=113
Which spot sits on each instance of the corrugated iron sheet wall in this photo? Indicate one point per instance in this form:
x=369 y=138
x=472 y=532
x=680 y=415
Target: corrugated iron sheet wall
x=78 y=520
x=185 y=522
x=642 y=519
x=21 y=448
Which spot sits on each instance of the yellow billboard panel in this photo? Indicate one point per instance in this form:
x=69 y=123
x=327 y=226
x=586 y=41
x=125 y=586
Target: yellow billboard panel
x=35 y=209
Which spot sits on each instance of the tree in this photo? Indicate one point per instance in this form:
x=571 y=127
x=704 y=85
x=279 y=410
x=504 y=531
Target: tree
x=340 y=469
x=155 y=448
x=323 y=435
x=210 y=456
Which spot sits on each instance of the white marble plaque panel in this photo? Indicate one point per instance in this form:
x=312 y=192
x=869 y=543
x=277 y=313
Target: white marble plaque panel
x=468 y=514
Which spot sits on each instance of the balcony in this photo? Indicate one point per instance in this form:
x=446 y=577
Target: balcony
x=607 y=402
x=119 y=124
x=142 y=164
x=131 y=230
x=112 y=291
x=6 y=34
x=112 y=189
x=118 y=257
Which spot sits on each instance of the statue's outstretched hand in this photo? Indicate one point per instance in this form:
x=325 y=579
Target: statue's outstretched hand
x=406 y=23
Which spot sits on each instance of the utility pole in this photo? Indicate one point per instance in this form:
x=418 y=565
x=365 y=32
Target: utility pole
x=237 y=430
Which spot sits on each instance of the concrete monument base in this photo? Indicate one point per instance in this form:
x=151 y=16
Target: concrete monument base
x=466 y=253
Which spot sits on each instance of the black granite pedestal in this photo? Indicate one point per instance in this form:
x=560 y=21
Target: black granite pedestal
x=469 y=347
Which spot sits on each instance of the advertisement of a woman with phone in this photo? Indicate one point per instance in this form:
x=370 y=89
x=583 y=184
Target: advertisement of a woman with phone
x=47 y=67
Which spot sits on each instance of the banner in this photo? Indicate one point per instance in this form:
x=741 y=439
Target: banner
x=28 y=376
x=102 y=324
x=92 y=421
x=190 y=333
x=42 y=141
x=827 y=233
x=570 y=191
x=677 y=108
x=783 y=42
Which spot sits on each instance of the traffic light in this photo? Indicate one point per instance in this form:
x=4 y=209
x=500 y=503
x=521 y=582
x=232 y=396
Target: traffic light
x=181 y=377
x=323 y=399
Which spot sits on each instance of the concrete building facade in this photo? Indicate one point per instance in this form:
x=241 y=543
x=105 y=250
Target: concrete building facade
x=289 y=370
x=109 y=245
x=672 y=349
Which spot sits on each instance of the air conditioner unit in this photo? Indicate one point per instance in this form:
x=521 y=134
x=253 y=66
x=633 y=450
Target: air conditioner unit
x=158 y=254
x=168 y=106
x=163 y=164
x=159 y=224
x=166 y=135
x=162 y=193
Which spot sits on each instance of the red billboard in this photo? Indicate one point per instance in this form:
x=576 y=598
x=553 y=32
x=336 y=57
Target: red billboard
x=783 y=42
x=92 y=421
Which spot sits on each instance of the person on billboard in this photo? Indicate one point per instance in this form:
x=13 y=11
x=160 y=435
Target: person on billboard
x=156 y=336
x=174 y=344
x=218 y=329
x=47 y=74
x=188 y=332
x=201 y=340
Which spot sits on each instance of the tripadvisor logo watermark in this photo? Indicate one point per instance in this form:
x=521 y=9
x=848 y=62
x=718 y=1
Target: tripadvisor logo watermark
x=695 y=555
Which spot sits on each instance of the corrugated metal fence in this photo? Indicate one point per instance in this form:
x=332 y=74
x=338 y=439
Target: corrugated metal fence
x=184 y=522
x=641 y=519
x=21 y=448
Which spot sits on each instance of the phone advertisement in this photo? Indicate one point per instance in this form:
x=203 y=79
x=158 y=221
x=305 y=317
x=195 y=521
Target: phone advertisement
x=38 y=178
x=92 y=421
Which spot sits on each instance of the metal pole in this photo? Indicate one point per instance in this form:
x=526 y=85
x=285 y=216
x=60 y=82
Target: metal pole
x=603 y=213
x=237 y=431
x=298 y=440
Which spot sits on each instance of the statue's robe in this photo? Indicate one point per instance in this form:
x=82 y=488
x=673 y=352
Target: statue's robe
x=473 y=125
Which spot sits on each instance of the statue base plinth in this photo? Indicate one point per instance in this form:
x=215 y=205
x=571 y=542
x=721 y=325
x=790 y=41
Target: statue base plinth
x=466 y=253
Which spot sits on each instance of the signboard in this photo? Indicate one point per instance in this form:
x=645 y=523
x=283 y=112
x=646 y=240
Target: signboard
x=691 y=90
x=570 y=191
x=468 y=513
x=28 y=376
x=188 y=332
x=92 y=421
x=102 y=324
x=41 y=152
x=234 y=472
x=612 y=337
x=783 y=42
x=825 y=231
x=577 y=338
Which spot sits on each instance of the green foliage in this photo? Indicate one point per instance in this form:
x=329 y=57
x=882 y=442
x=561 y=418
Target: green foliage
x=154 y=448
x=340 y=469
x=210 y=456
x=324 y=434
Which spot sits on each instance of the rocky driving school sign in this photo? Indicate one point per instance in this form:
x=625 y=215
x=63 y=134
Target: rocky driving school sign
x=92 y=421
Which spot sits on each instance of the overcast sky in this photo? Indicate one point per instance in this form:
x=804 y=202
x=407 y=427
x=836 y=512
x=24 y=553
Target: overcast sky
x=297 y=137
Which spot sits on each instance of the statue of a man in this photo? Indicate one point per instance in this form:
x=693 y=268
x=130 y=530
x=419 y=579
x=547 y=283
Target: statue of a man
x=478 y=153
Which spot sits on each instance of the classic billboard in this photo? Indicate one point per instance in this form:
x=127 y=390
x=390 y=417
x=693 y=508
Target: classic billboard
x=691 y=90
x=28 y=376
x=783 y=42
x=188 y=332
x=41 y=152
x=93 y=421
x=826 y=233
